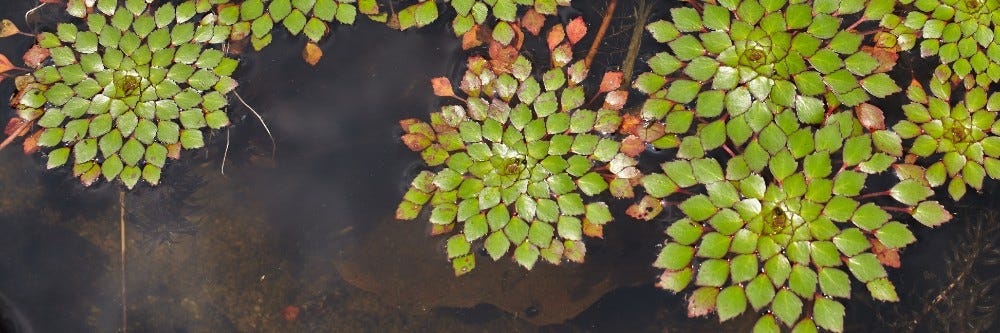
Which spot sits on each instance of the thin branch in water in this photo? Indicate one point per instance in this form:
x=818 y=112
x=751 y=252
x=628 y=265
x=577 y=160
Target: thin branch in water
x=15 y=134
x=600 y=33
x=642 y=13
x=225 y=153
x=121 y=227
x=274 y=145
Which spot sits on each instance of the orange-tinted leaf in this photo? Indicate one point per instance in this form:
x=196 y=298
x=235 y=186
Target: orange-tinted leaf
x=473 y=38
x=7 y=28
x=35 y=56
x=611 y=81
x=651 y=132
x=502 y=57
x=442 y=87
x=290 y=313
x=406 y=123
x=615 y=100
x=575 y=30
x=416 y=142
x=312 y=53
x=886 y=57
x=5 y=64
x=438 y=229
x=593 y=230
x=533 y=21
x=174 y=151
x=633 y=146
x=870 y=116
x=885 y=255
x=31 y=143
x=630 y=124
x=556 y=36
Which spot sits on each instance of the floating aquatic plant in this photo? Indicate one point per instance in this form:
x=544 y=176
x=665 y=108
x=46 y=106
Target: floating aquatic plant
x=518 y=162
x=128 y=91
x=960 y=33
x=257 y=19
x=959 y=139
x=771 y=229
x=744 y=59
x=472 y=13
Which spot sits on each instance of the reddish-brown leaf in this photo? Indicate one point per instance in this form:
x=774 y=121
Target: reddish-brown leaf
x=502 y=57
x=885 y=255
x=406 y=123
x=533 y=21
x=31 y=143
x=652 y=132
x=174 y=151
x=886 y=57
x=611 y=81
x=575 y=30
x=5 y=64
x=312 y=53
x=290 y=313
x=615 y=100
x=630 y=124
x=442 y=87
x=14 y=126
x=870 y=116
x=633 y=146
x=593 y=230
x=646 y=209
x=35 y=56
x=556 y=36
x=474 y=37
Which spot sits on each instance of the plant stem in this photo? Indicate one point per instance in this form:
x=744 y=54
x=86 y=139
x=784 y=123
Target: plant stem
x=15 y=134
x=875 y=194
x=600 y=33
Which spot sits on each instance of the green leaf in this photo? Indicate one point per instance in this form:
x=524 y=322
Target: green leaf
x=526 y=255
x=731 y=302
x=464 y=264
x=895 y=235
x=674 y=256
x=786 y=306
x=58 y=157
x=851 y=242
x=760 y=292
x=880 y=85
x=497 y=245
x=834 y=282
x=870 y=216
x=910 y=192
x=698 y=207
x=866 y=267
x=712 y=273
x=883 y=290
x=931 y=213
x=829 y=314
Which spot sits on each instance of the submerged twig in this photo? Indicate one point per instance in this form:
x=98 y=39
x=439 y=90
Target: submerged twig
x=600 y=33
x=642 y=12
x=225 y=153
x=15 y=134
x=274 y=145
x=121 y=227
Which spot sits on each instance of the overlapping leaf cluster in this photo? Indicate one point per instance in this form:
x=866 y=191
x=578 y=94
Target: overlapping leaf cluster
x=257 y=18
x=957 y=139
x=129 y=89
x=746 y=59
x=960 y=33
x=790 y=218
x=517 y=162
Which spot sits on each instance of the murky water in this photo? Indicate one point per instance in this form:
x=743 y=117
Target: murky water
x=306 y=242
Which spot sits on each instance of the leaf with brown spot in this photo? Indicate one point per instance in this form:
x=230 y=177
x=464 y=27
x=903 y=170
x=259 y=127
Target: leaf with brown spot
x=646 y=209
x=533 y=21
x=442 y=87
x=652 y=132
x=312 y=53
x=31 y=142
x=593 y=230
x=886 y=57
x=556 y=36
x=611 y=81
x=438 y=229
x=885 y=255
x=174 y=151
x=633 y=146
x=615 y=100
x=7 y=28
x=416 y=142
x=35 y=56
x=575 y=30
x=870 y=116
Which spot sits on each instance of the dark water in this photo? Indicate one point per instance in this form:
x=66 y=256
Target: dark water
x=312 y=229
